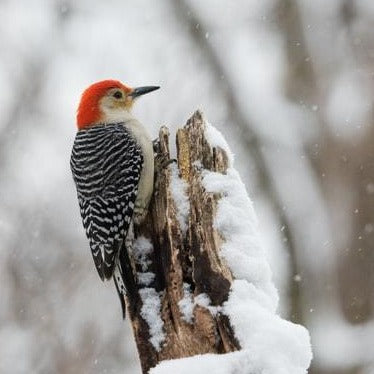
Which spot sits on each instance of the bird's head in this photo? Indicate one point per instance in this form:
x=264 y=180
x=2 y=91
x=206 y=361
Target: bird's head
x=108 y=101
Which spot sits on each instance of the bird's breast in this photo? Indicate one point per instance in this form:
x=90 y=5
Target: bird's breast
x=143 y=139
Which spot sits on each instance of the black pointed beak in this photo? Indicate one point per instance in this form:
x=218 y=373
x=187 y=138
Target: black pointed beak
x=138 y=91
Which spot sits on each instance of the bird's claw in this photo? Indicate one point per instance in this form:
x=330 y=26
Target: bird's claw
x=156 y=146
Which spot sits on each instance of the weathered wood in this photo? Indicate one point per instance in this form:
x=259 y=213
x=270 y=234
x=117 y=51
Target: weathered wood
x=183 y=257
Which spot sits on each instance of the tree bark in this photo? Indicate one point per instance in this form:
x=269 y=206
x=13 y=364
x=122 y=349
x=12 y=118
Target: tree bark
x=185 y=258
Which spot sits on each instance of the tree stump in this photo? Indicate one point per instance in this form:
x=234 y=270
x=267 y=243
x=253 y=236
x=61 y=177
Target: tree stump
x=181 y=279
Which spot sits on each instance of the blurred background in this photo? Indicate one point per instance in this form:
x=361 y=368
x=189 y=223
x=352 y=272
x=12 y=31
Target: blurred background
x=290 y=85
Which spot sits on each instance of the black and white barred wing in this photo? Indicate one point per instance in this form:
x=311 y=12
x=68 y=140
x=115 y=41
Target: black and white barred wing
x=106 y=163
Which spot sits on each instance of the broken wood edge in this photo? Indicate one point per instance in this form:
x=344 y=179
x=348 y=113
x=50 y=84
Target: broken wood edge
x=181 y=258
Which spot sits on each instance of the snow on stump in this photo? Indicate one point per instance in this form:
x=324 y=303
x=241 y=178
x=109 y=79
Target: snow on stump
x=205 y=299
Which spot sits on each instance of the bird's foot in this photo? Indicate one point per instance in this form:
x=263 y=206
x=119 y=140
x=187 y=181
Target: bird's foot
x=130 y=237
x=139 y=215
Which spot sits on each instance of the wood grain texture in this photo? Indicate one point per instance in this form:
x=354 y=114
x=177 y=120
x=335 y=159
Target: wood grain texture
x=191 y=257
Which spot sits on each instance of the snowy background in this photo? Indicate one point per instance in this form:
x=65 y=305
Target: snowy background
x=290 y=85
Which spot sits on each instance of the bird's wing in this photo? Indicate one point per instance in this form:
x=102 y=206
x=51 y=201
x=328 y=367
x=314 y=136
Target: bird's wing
x=107 y=165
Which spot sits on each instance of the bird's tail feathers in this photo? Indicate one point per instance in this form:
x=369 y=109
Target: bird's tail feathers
x=124 y=277
x=113 y=260
x=121 y=289
x=98 y=259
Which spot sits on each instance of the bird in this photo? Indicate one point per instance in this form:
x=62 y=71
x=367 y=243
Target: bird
x=112 y=162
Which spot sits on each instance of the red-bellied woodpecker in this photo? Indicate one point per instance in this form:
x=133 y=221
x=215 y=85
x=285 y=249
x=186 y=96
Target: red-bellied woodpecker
x=112 y=164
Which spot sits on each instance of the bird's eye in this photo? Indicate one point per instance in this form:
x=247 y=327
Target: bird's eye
x=118 y=95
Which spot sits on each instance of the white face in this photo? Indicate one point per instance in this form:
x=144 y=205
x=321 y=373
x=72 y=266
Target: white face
x=115 y=106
